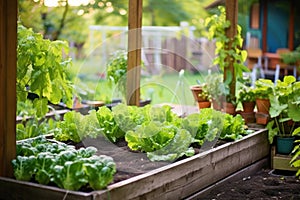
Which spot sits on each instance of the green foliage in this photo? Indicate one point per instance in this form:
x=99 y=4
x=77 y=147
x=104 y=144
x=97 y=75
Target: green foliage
x=295 y=161
x=233 y=128
x=42 y=70
x=58 y=163
x=246 y=94
x=291 y=57
x=76 y=127
x=117 y=69
x=263 y=88
x=285 y=107
x=34 y=127
x=108 y=125
x=210 y=124
x=215 y=86
x=150 y=136
x=24 y=167
x=217 y=25
x=176 y=148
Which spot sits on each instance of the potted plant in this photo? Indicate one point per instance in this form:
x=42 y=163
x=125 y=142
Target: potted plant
x=263 y=88
x=284 y=113
x=229 y=54
x=216 y=90
x=246 y=96
x=201 y=95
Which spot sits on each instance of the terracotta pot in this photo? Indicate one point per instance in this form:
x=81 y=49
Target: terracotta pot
x=204 y=104
x=249 y=117
x=248 y=107
x=216 y=105
x=229 y=108
x=196 y=90
x=263 y=105
x=262 y=118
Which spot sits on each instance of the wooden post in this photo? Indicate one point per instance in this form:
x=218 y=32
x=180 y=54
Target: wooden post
x=134 y=51
x=292 y=26
x=8 y=58
x=231 y=15
x=265 y=26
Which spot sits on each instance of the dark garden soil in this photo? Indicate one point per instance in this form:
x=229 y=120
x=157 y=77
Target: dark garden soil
x=264 y=185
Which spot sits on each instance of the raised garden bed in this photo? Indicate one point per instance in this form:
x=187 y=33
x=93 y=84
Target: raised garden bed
x=173 y=181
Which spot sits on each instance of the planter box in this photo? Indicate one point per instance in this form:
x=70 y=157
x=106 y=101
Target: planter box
x=174 y=181
x=281 y=162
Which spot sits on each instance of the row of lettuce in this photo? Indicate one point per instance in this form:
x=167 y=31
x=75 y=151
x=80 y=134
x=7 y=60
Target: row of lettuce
x=156 y=131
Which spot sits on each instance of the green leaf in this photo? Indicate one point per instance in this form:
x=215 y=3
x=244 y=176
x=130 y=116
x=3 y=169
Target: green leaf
x=41 y=106
x=176 y=148
x=296 y=131
x=293 y=112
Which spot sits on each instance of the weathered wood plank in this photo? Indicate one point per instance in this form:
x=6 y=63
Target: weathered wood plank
x=13 y=189
x=183 y=178
x=282 y=162
x=8 y=57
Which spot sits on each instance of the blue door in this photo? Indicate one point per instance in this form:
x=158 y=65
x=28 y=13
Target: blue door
x=278 y=25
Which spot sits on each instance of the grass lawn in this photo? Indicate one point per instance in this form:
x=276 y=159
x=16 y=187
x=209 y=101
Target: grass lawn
x=164 y=88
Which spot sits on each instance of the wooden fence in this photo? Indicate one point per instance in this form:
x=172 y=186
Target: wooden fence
x=164 y=48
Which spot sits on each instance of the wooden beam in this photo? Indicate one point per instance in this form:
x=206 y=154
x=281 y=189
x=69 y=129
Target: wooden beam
x=231 y=15
x=292 y=25
x=264 y=25
x=134 y=51
x=8 y=57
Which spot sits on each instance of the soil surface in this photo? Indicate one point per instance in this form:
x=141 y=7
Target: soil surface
x=264 y=185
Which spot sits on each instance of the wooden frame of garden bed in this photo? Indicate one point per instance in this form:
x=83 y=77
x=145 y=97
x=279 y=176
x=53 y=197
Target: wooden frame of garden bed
x=175 y=181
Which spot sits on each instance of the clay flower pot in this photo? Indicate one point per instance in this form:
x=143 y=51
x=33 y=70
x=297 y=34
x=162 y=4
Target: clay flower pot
x=229 y=108
x=262 y=118
x=216 y=104
x=248 y=107
x=263 y=105
x=204 y=104
x=197 y=91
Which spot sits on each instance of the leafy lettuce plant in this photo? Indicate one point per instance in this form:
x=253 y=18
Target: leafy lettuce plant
x=108 y=125
x=205 y=125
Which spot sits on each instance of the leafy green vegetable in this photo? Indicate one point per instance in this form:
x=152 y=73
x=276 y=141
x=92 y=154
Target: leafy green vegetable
x=68 y=128
x=100 y=171
x=70 y=175
x=234 y=127
x=34 y=127
x=62 y=164
x=176 y=148
x=205 y=125
x=150 y=137
x=44 y=166
x=24 y=167
x=108 y=125
x=42 y=70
